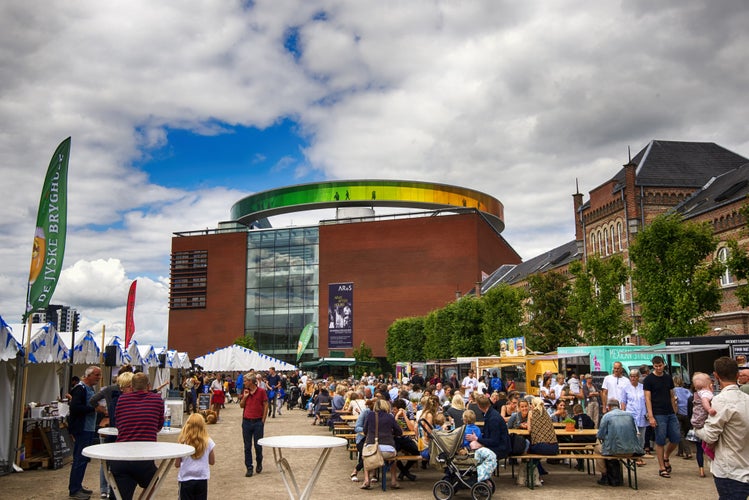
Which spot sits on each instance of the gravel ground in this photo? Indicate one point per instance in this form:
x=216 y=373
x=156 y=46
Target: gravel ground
x=228 y=481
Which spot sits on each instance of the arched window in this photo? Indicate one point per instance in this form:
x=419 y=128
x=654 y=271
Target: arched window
x=726 y=278
x=623 y=294
x=619 y=234
x=600 y=242
x=605 y=241
x=593 y=242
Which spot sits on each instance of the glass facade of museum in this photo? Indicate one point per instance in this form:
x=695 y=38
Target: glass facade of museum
x=282 y=289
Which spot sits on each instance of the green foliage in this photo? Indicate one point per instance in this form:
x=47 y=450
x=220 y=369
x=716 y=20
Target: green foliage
x=437 y=333
x=246 y=341
x=594 y=301
x=405 y=340
x=503 y=315
x=466 y=338
x=551 y=324
x=362 y=353
x=675 y=285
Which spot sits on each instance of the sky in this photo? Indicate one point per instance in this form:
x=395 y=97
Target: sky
x=179 y=109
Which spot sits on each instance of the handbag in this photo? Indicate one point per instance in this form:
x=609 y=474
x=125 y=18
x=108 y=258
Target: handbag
x=370 y=453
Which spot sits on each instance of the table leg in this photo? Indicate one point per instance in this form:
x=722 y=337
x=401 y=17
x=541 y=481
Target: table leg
x=110 y=479
x=284 y=469
x=153 y=486
x=315 y=474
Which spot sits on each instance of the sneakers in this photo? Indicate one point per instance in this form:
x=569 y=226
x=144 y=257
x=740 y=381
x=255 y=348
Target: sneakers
x=248 y=473
x=259 y=468
x=80 y=495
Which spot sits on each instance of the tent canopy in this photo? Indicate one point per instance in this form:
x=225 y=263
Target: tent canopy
x=9 y=346
x=238 y=358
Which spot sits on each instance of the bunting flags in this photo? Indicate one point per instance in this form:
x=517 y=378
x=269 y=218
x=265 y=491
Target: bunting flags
x=129 y=322
x=49 y=236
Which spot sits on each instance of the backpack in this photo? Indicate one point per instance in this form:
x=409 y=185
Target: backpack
x=496 y=384
x=517 y=444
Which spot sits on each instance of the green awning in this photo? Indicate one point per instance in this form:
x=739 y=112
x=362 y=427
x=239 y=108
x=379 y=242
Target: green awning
x=337 y=362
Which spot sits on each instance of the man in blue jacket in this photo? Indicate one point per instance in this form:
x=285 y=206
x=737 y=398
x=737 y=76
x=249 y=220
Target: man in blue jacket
x=494 y=433
x=82 y=426
x=618 y=436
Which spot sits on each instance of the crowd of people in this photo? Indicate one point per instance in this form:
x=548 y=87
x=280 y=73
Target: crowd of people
x=636 y=413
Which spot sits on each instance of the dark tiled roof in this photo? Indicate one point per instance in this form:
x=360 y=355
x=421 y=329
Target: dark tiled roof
x=723 y=190
x=680 y=164
x=552 y=259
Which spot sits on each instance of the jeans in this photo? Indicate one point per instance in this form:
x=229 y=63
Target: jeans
x=252 y=431
x=668 y=427
x=730 y=489
x=78 y=468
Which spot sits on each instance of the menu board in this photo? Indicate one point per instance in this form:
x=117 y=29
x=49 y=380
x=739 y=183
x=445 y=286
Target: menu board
x=59 y=443
x=204 y=402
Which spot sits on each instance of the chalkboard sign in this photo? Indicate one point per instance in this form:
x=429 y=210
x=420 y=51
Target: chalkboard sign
x=59 y=443
x=204 y=402
x=598 y=378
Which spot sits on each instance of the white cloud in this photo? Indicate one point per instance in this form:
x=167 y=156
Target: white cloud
x=516 y=99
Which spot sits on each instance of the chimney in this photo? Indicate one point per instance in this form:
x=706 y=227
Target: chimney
x=577 y=202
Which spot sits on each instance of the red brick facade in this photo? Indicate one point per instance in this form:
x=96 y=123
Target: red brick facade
x=405 y=267
x=203 y=330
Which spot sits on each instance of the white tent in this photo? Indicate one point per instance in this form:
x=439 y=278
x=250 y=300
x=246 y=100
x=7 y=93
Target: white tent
x=86 y=350
x=9 y=348
x=238 y=358
x=142 y=355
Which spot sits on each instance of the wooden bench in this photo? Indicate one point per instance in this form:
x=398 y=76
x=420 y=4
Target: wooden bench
x=628 y=461
x=385 y=468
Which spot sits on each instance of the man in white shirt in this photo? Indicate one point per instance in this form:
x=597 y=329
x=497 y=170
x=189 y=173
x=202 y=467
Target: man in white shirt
x=728 y=432
x=612 y=385
x=557 y=387
x=469 y=384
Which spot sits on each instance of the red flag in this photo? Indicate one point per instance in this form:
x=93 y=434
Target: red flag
x=129 y=322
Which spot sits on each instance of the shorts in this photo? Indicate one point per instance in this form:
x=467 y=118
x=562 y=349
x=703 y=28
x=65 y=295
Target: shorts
x=667 y=427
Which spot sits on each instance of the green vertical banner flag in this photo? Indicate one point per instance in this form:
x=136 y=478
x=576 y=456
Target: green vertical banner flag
x=304 y=339
x=49 y=236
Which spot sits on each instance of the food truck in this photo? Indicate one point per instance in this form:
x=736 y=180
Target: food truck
x=525 y=371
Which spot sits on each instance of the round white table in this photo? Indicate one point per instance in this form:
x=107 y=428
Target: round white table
x=322 y=443
x=113 y=431
x=133 y=451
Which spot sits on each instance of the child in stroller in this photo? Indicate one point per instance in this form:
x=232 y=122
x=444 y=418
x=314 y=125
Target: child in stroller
x=463 y=469
x=292 y=398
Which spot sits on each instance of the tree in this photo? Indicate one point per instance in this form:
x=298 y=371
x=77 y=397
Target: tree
x=738 y=264
x=675 y=285
x=405 y=340
x=503 y=315
x=362 y=353
x=551 y=324
x=247 y=341
x=595 y=303
x=437 y=334
x=466 y=339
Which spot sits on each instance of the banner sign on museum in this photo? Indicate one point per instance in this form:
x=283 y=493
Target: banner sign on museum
x=340 y=315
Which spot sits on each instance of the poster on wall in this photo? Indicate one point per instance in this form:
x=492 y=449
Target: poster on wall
x=513 y=346
x=340 y=315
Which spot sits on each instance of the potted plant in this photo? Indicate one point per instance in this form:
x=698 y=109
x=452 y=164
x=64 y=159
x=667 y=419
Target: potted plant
x=569 y=424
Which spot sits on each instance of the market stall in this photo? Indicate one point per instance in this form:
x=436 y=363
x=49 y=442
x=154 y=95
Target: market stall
x=9 y=349
x=238 y=358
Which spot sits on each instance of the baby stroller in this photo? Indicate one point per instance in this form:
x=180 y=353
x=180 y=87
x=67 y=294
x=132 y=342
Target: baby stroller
x=460 y=470
x=292 y=399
